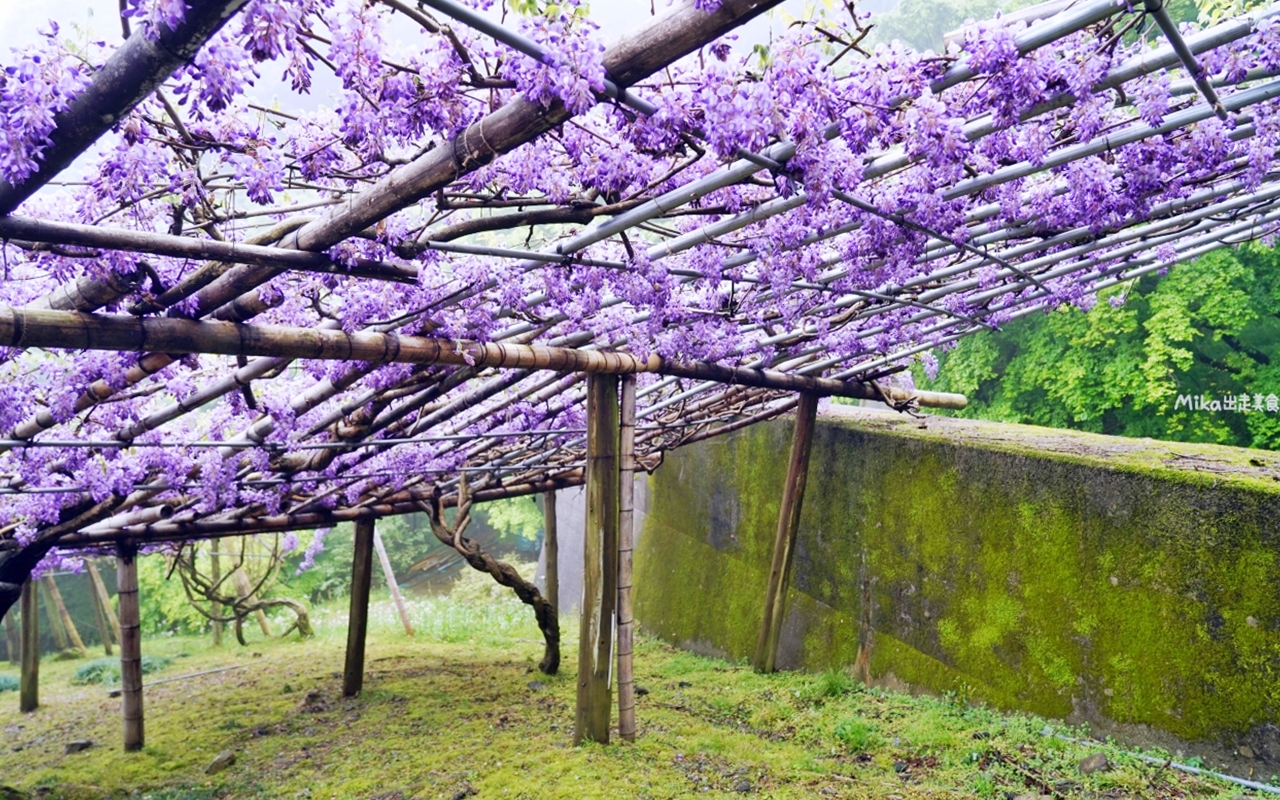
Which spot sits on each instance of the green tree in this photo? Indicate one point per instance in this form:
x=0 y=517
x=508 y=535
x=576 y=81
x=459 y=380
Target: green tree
x=1210 y=327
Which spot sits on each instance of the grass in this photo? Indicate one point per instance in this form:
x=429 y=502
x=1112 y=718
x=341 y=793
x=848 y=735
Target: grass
x=461 y=707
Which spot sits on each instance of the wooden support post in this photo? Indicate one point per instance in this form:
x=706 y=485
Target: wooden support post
x=390 y=575
x=775 y=603
x=215 y=576
x=29 y=683
x=551 y=547
x=626 y=543
x=100 y=617
x=358 y=621
x=68 y=624
x=12 y=640
x=100 y=586
x=130 y=645
x=600 y=563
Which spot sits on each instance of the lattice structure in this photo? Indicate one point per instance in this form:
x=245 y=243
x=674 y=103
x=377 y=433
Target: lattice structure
x=242 y=317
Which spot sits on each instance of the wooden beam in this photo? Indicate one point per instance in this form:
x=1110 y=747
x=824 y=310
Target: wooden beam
x=358 y=621
x=130 y=645
x=27 y=328
x=600 y=563
x=29 y=683
x=626 y=544
x=775 y=603
x=64 y=617
x=390 y=576
x=551 y=547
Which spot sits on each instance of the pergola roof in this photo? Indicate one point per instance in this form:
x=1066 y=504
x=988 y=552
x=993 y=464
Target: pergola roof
x=239 y=317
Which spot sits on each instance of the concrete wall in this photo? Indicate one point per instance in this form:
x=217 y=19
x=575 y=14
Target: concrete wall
x=1130 y=584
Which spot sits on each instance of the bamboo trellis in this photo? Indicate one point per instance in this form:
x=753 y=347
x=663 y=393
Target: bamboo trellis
x=453 y=398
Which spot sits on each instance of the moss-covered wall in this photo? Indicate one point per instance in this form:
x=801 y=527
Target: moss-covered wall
x=1085 y=583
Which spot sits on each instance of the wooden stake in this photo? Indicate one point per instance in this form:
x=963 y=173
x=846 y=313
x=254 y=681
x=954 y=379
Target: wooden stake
x=390 y=575
x=130 y=645
x=775 y=603
x=358 y=621
x=626 y=543
x=100 y=617
x=551 y=546
x=215 y=574
x=600 y=563
x=60 y=639
x=29 y=685
x=12 y=639
x=100 y=587
x=64 y=617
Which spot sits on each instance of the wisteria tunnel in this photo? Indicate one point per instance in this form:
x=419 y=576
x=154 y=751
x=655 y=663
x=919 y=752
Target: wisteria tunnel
x=518 y=255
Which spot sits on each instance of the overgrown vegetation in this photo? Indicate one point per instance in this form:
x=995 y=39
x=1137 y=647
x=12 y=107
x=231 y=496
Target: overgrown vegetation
x=8 y=683
x=471 y=715
x=1208 y=328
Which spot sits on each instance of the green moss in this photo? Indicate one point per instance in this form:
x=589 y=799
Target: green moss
x=1063 y=574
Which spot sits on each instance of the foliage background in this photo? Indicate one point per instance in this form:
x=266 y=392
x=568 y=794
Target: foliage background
x=1210 y=327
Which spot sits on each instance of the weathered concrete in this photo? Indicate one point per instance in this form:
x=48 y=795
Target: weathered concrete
x=1131 y=584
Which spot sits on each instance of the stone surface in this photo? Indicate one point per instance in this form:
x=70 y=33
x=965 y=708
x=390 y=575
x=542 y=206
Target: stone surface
x=220 y=762
x=536 y=686
x=742 y=787
x=1096 y=762
x=1246 y=751
x=78 y=745
x=1115 y=555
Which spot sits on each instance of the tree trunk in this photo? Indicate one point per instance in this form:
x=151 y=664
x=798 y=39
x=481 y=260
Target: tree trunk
x=100 y=617
x=215 y=574
x=104 y=598
x=12 y=640
x=64 y=617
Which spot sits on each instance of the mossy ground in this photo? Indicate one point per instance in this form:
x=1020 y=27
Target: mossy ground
x=440 y=717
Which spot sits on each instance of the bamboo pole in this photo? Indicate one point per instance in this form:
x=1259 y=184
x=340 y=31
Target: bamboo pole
x=626 y=544
x=60 y=638
x=600 y=563
x=12 y=639
x=100 y=587
x=68 y=624
x=130 y=645
x=100 y=618
x=551 y=547
x=775 y=603
x=358 y=620
x=390 y=576
x=27 y=328
x=29 y=683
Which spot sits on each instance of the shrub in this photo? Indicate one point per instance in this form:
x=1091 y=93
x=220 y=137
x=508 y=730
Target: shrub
x=8 y=683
